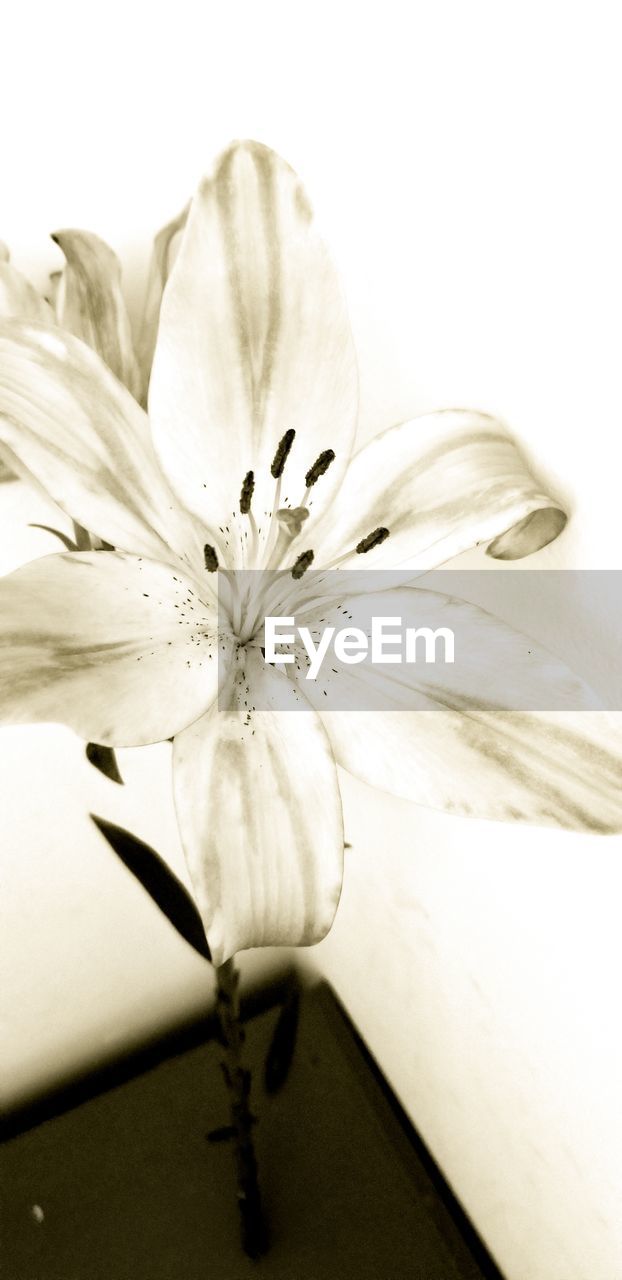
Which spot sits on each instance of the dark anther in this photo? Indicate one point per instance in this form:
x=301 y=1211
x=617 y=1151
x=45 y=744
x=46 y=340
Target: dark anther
x=282 y=453
x=372 y=540
x=210 y=558
x=246 y=495
x=320 y=465
x=302 y=564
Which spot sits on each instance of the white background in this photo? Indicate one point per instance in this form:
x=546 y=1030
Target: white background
x=464 y=160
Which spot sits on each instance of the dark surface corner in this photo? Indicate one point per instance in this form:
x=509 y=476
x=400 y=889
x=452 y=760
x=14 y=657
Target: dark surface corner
x=114 y=1177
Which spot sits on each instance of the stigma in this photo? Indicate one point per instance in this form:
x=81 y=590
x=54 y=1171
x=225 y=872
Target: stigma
x=292 y=518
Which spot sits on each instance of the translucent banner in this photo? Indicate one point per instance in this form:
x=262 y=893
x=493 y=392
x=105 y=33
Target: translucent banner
x=514 y=640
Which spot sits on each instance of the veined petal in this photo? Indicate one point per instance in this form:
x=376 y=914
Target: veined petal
x=90 y=304
x=83 y=437
x=260 y=818
x=491 y=665
x=460 y=753
x=120 y=649
x=440 y=484
x=552 y=768
x=165 y=246
x=254 y=340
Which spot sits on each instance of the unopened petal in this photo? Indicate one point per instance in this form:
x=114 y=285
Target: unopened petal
x=90 y=304
x=165 y=248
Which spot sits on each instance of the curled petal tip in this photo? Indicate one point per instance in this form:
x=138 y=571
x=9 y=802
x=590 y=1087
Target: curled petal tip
x=535 y=531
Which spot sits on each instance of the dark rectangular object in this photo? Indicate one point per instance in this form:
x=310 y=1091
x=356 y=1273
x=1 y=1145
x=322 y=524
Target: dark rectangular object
x=126 y=1186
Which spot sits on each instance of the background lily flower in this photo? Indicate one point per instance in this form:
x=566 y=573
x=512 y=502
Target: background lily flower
x=245 y=462
x=86 y=298
x=89 y=302
x=18 y=297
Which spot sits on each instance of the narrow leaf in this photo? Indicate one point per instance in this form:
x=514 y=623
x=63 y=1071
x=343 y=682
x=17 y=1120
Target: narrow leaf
x=67 y=542
x=168 y=893
x=104 y=759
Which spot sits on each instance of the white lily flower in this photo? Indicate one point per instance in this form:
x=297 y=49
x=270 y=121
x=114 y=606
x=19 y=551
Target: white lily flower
x=246 y=462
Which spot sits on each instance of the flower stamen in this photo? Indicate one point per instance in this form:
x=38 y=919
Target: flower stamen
x=246 y=496
x=282 y=454
x=302 y=564
x=210 y=558
x=320 y=466
x=276 y=470
x=374 y=539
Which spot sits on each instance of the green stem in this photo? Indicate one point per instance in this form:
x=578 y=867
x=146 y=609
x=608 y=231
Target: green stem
x=238 y=1081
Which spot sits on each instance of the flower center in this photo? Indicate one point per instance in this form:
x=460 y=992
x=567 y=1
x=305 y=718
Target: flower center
x=272 y=588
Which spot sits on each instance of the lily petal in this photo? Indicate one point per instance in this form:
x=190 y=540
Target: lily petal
x=492 y=665
x=260 y=818
x=165 y=247
x=552 y=768
x=18 y=297
x=120 y=649
x=460 y=753
x=440 y=484
x=90 y=304
x=254 y=340
x=83 y=437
